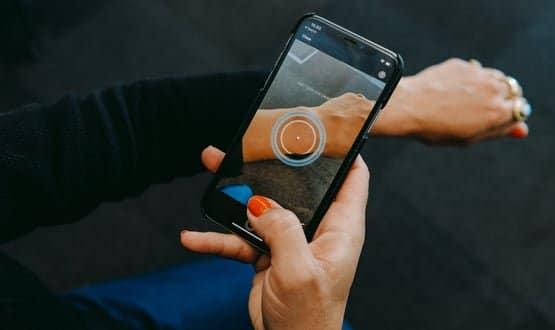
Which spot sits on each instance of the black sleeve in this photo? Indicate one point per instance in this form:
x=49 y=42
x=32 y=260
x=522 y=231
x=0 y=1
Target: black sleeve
x=58 y=162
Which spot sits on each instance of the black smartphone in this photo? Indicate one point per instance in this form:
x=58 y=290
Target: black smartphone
x=305 y=128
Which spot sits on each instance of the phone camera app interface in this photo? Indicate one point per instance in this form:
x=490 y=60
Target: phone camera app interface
x=307 y=123
x=298 y=138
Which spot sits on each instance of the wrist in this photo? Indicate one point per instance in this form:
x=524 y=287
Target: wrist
x=399 y=117
x=326 y=123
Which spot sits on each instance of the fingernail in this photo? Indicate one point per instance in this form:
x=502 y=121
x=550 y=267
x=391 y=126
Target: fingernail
x=518 y=132
x=183 y=232
x=258 y=205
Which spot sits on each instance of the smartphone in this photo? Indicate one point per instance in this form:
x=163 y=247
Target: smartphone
x=305 y=128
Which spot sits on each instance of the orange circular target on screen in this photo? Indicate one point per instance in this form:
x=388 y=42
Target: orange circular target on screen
x=298 y=138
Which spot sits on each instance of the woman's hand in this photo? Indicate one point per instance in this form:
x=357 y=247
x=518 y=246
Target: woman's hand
x=455 y=102
x=301 y=285
x=343 y=118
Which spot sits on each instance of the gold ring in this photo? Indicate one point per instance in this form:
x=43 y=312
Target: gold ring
x=514 y=87
x=521 y=109
x=475 y=62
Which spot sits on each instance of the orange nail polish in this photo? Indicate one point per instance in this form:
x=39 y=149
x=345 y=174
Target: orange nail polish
x=258 y=205
x=518 y=132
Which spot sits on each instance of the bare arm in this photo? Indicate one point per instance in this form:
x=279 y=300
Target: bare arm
x=342 y=118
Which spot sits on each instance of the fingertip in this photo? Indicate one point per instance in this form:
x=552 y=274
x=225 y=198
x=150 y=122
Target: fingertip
x=361 y=168
x=519 y=130
x=258 y=205
x=188 y=237
x=205 y=157
x=224 y=245
x=193 y=240
x=282 y=231
x=206 y=152
x=360 y=163
x=355 y=187
x=184 y=238
x=211 y=158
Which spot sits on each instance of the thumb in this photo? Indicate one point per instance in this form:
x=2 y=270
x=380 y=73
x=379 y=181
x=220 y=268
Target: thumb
x=518 y=130
x=281 y=230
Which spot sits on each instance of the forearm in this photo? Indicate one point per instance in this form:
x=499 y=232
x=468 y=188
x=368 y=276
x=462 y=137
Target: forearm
x=394 y=120
x=257 y=144
x=58 y=162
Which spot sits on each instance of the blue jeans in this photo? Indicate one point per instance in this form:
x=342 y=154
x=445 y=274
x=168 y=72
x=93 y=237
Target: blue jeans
x=211 y=294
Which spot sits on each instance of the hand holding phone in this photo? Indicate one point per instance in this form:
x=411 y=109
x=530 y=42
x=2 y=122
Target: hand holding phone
x=301 y=285
x=306 y=127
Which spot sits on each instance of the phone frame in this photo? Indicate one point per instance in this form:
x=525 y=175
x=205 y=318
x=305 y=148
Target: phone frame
x=351 y=155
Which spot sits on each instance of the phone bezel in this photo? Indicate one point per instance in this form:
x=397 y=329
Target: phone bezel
x=349 y=159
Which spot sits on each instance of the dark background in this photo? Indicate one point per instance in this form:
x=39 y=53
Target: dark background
x=457 y=238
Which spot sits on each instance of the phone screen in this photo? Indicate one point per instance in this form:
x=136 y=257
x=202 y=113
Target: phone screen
x=312 y=113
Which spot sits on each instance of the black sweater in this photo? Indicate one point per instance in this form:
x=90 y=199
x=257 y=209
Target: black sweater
x=58 y=162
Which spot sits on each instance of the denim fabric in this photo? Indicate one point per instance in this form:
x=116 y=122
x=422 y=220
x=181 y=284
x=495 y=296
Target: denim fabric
x=211 y=294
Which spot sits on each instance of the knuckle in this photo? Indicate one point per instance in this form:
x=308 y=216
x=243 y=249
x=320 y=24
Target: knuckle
x=242 y=251
x=288 y=217
x=280 y=220
x=455 y=61
x=224 y=248
x=366 y=103
x=273 y=214
x=487 y=84
x=497 y=113
x=500 y=88
x=497 y=74
x=493 y=85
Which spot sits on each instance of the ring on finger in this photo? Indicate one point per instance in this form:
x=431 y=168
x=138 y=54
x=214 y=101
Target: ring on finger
x=521 y=109
x=515 y=90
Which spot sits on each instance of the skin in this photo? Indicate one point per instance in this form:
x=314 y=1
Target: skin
x=301 y=285
x=304 y=285
x=257 y=143
x=451 y=103
x=299 y=139
x=342 y=118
